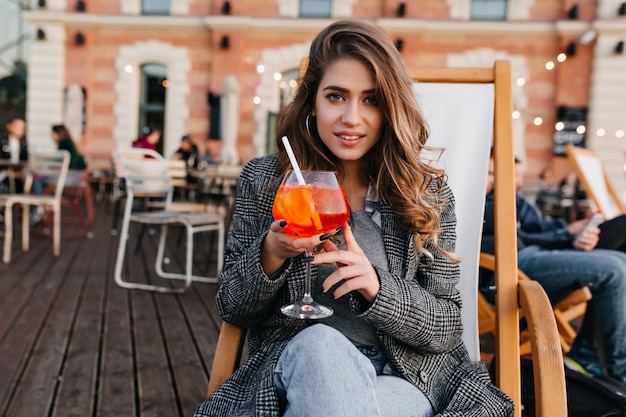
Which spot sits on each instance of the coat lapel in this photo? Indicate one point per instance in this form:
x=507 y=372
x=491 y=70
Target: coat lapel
x=398 y=242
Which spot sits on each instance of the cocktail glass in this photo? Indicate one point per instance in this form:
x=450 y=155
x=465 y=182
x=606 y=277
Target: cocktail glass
x=316 y=207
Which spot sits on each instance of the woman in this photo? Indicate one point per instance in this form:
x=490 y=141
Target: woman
x=63 y=139
x=393 y=346
x=150 y=136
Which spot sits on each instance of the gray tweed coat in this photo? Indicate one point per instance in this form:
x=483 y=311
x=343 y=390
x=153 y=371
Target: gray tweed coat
x=417 y=312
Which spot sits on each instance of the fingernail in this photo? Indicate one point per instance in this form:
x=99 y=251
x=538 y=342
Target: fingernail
x=308 y=258
x=325 y=236
x=283 y=223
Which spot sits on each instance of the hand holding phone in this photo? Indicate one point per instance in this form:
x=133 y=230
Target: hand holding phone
x=595 y=220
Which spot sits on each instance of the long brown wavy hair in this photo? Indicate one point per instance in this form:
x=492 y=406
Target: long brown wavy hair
x=394 y=165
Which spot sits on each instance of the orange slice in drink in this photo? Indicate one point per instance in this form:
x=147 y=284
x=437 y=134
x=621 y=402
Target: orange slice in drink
x=297 y=206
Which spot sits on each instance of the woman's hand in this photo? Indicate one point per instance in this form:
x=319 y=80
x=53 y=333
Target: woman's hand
x=355 y=269
x=279 y=246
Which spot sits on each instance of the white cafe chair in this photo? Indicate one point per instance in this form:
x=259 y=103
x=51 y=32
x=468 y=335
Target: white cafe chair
x=52 y=167
x=146 y=174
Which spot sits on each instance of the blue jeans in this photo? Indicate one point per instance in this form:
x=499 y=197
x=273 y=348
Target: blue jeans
x=560 y=271
x=321 y=373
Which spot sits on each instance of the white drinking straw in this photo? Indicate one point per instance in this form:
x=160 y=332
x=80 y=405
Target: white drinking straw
x=294 y=163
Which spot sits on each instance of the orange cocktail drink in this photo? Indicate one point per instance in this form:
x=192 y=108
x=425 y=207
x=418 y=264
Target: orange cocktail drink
x=310 y=209
x=312 y=203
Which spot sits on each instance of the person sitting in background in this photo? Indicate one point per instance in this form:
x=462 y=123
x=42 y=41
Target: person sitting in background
x=550 y=253
x=188 y=152
x=14 y=146
x=63 y=139
x=211 y=154
x=612 y=232
x=61 y=136
x=150 y=136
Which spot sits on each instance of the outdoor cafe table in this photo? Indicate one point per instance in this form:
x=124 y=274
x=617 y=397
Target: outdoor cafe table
x=218 y=182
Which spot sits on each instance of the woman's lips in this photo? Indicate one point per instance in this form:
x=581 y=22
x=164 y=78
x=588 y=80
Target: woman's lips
x=350 y=140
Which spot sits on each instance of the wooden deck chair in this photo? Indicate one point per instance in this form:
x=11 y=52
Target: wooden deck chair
x=469 y=95
x=596 y=181
x=566 y=311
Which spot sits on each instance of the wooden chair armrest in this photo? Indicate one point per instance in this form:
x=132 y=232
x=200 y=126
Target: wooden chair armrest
x=227 y=355
x=548 y=369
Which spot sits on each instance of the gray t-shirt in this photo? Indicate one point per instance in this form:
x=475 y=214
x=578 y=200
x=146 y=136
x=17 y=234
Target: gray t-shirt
x=368 y=235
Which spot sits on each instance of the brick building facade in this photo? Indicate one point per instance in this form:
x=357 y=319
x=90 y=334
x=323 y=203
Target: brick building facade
x=100 y=48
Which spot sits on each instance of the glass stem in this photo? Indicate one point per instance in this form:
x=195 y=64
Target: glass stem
x=307 y=282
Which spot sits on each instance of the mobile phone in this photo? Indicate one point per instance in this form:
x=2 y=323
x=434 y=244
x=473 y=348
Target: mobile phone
x=595 y=220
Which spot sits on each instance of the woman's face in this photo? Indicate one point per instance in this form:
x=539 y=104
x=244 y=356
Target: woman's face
x=55 y=136
x=349 y=120
x=17 y=128
x=154 y=137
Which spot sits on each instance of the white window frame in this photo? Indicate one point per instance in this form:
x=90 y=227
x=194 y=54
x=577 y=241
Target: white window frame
x=291 y=8
x=516 y=9
x=133 y=7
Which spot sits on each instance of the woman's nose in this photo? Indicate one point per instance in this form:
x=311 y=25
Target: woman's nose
x=352 y=114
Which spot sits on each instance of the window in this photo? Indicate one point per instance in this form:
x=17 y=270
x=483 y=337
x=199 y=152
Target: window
x=489 y=9
x=315 y=8
x=287 y=89
x=287 y=84
x=152 y=97
x=155 y=7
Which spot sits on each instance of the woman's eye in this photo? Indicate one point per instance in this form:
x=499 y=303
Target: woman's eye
x=335 y=97
x=371 y=100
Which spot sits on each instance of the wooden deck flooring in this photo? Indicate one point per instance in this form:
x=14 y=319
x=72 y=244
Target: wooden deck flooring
x=73 y=343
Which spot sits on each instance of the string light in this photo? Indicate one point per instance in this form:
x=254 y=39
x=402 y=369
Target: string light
x=551 y=65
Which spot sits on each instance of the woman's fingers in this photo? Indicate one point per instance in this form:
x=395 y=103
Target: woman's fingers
x=349 y=239
x=355 y=273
